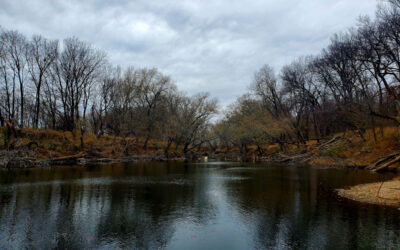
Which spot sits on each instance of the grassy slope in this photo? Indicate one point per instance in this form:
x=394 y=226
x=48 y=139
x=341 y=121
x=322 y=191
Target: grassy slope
x=365 y=152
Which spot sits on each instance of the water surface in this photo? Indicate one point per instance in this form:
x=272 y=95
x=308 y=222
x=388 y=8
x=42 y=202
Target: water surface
x=190 y=206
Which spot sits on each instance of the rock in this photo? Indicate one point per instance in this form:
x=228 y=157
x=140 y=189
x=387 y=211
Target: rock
x=20 y=162
x=81 y=161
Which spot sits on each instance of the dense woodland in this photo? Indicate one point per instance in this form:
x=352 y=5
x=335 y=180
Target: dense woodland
x=352 y=84
x=70 y=86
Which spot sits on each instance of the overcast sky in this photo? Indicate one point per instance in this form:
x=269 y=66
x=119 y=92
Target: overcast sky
x=205 y=45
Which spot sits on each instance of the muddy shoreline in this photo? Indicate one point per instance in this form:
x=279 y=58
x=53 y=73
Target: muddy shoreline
x=17 y=159
x=12 y=160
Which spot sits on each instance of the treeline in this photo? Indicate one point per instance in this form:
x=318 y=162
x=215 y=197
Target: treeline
x=70 y=86
x=351 y=85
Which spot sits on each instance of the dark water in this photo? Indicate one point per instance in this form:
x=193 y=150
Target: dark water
x=190 y=206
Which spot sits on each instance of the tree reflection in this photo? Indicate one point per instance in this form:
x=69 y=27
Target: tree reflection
x=187 y=206
x=133 y=206
x=295 y=208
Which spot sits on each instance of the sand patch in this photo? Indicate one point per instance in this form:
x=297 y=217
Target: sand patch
x=387 y=194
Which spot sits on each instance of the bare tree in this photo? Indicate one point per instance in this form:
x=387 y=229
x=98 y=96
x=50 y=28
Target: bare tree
x=194 y=120
x=265 y=86
x=15 y=48
x=108 y=84
x=41 y=54
x=302 y=97
x=75 y=73
x=152 y=85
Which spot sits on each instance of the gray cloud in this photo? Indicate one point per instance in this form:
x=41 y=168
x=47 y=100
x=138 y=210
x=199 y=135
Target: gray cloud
x=206 y=45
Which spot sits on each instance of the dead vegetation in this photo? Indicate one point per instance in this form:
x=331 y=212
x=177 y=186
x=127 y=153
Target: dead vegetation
x=46 y=144
x=347 y=149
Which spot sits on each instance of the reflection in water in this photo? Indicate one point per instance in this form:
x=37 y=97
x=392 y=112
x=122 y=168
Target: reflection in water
x=190 y=206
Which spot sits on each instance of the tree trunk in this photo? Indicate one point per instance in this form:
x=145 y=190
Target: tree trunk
x=22 y=105
x=146 y=141
x=373 y=127
x=1 y=119
x=36 y=119
x=81 y=139
x=166 y=150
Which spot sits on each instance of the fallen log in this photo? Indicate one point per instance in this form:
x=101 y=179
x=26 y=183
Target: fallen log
x=303 y=156
x=68 y=157
x=384 y=162
x=387 y=165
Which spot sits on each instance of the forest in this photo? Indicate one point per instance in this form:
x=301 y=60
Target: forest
x=70 y=86
x=351 y=85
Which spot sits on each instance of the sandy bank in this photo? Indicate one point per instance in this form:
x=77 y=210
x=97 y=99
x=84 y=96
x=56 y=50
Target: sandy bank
x=386 y=193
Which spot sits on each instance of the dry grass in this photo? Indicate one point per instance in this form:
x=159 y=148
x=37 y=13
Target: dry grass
x=325 y=161
x=272 y=149
x=50 y=143
x=368 y=151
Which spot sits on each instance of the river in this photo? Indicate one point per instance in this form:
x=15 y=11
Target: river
x=216 y=205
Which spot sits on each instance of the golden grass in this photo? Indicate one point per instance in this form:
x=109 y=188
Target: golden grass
x=52 y=143
x=368 y=151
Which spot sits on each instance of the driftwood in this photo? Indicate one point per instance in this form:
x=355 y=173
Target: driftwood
x=303 y=156
x=68 y=157
x=385 y=163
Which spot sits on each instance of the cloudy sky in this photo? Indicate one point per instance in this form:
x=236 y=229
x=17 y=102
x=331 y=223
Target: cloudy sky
x=205 y=45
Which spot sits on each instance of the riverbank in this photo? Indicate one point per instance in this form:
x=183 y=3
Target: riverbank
x=350 y=150
x=48 y=147
x=11 y=160
x=35 y=148
x=38 y=148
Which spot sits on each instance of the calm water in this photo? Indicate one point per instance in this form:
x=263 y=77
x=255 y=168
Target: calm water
x=190 y=206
